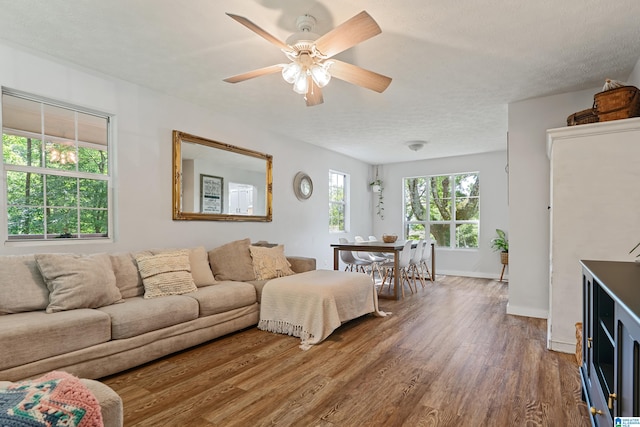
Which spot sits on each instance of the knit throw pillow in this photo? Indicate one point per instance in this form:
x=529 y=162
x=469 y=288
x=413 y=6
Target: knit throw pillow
x=269 y=263
x=166 y=273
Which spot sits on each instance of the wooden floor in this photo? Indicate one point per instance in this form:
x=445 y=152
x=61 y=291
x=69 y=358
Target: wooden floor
x=447 y=356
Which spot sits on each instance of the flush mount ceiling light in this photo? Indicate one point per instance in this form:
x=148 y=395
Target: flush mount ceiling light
x=415 y=145
x=311 y=68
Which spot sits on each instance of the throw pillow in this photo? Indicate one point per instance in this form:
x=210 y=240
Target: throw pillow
x=166 y=273
x=128 y=279
x=21 y=285
x=269 y=263
x=200 y=268
x=232 y=261
x=199 y=262
x=78 y=281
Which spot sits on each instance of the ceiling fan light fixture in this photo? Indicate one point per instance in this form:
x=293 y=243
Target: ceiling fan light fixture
x=301 y=85
x=320 y=74
x=311 y=66
x=291 y=71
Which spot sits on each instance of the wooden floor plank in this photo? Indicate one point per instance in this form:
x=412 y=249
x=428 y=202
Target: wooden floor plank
x=448 y=355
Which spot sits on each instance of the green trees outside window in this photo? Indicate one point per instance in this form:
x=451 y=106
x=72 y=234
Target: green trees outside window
x=57 y=185
x=337 y=202
x=448 y=206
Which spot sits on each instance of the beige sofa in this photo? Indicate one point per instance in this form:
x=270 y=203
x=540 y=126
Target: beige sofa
x=56 y=315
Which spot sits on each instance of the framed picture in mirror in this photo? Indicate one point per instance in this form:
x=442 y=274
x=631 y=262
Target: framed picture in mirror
x=211 y=192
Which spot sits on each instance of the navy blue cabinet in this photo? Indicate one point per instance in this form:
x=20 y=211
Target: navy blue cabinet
x=610 y=370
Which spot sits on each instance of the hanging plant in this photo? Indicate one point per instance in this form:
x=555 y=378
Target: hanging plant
x=376 y=186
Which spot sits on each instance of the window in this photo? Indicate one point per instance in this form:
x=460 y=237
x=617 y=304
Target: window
x=56 y=169
x=444 y=207
x=338 y=202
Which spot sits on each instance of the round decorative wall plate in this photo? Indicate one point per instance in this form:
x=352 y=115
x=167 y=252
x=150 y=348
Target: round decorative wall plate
x=302 y=186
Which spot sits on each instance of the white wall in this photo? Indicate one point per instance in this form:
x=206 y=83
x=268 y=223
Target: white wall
x=594 y=214
x=483 y=262
x=144 y=122
x=634 y=77
x=529 y=194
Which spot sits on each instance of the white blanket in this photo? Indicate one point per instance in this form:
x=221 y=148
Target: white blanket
x=313 y=304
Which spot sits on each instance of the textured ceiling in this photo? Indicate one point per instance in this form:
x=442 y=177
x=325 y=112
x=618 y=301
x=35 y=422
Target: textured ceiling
x=455 y=64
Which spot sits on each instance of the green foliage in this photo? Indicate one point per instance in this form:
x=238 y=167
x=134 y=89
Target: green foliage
x=45 y=200
x=380 y=202
x=443 y=190
x=337 y=221
x=500 y=243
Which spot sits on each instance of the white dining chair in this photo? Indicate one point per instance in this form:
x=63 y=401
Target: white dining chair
x=353 y=263
x=404 y=258
x=385 y=255
x=415 y=266
x=375 y=258
x=425 y=260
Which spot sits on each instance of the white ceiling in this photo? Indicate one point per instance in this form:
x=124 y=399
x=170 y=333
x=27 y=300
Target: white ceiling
x=455 y=64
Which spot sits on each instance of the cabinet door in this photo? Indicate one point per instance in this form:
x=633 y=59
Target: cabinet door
x=604 y=346
x=627 y=402
x=587 y=326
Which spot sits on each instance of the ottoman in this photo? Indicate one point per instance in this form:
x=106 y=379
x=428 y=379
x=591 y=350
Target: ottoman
x=110 y=403
x=313 y=304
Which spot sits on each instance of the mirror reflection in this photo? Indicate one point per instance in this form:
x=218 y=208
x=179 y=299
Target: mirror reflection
x=219 y=182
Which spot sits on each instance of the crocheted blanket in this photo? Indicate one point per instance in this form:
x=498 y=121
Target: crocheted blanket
x=54 y=400
x=313 y=304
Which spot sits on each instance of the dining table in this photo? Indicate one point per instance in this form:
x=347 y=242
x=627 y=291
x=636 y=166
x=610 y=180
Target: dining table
x=371 y=246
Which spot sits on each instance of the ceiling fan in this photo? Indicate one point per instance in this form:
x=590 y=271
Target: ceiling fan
x=312 y=64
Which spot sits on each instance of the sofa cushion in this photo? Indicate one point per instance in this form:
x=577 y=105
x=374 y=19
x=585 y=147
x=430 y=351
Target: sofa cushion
x=28 y=337
x=224 y=296
x=199 y=262
x=232 y=261
x=166 y=273
x=78 y=281
x=138 y=315
x=269 y=263
x=128 y=278
x=301 y=264
x=258 y=285
x=200 y=268
x=21 y=285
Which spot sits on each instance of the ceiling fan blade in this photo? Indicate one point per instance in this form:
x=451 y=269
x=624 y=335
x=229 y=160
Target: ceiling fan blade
x=358 y=76
x=255 y=73
x=348 y=34
x=259 y=31
x=314 y=94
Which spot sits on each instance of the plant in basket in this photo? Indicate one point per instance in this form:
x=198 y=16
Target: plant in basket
x=501 y=243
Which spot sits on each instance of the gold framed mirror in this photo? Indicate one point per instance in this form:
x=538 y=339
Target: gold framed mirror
x=214 y=181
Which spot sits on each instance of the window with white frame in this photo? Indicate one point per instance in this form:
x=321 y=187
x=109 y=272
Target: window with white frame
x=56 y=169
x=445 y=208
x=338 y=202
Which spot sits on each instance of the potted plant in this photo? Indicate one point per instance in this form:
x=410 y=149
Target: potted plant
x=376 y=186
x=501 y=243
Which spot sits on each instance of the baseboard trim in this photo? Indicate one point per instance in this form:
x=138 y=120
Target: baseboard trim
x=474 y=274
x=527 y=311
x=561 y=346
